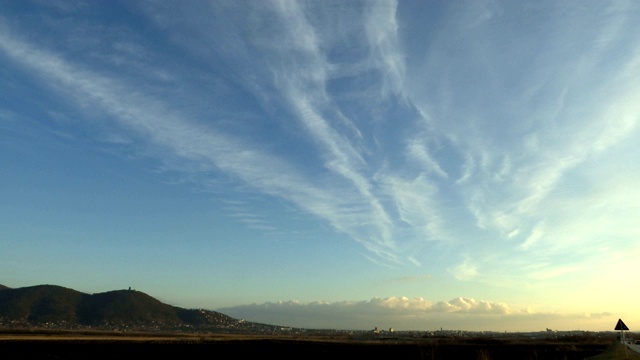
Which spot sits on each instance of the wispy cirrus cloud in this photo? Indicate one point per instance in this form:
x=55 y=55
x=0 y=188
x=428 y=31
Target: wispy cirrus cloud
x=382 y=33
x=466 y=270
x=519 y=173
x=187 y=139
x=396 y=145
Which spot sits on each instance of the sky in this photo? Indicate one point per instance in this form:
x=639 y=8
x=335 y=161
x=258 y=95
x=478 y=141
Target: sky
x=464 y=165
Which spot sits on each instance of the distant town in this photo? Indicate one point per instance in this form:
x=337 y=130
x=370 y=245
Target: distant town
x=245 y=327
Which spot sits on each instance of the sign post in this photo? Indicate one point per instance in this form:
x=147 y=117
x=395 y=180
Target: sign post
x=622 y=327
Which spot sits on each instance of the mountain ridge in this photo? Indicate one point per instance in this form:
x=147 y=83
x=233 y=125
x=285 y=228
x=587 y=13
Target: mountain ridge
x=54 y=306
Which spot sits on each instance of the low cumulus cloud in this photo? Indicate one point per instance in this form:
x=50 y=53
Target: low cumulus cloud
x=403 y=313
x=472 y=306
x=352 y=314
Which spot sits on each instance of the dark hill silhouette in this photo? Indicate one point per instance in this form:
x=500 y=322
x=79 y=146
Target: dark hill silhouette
x=40 y=304
x=59 y=307
x=125 y=306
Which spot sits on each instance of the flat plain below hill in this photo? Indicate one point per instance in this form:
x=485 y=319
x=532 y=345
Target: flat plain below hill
x=83 y=345
x=616 y=351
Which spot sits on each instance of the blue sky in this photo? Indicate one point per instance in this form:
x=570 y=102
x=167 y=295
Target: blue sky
x=419 y=165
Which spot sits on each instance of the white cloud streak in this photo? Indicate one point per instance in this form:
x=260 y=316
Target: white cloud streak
x=497 y=139
x=528 y=159
x=188 y=140
x=382 y=32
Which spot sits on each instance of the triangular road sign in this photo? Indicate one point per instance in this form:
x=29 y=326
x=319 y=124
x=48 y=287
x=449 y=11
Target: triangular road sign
x=621 y=326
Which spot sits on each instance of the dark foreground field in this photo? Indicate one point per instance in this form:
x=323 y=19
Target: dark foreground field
x=51 y=346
